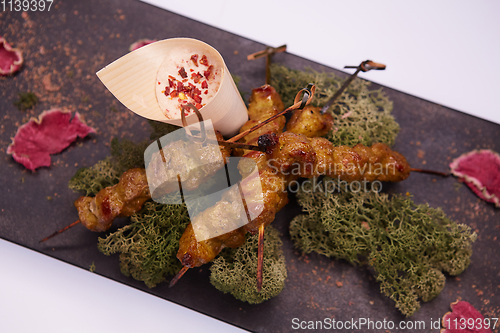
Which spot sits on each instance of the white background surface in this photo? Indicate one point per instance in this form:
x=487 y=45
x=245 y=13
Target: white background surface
x=443 y=51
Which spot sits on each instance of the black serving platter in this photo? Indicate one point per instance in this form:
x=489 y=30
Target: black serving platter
x=64 y=48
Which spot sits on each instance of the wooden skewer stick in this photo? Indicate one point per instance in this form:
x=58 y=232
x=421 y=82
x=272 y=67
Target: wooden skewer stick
x=62 y=230
x=260 y=257
x=178 y=276
x=365 y=66
x=268 y=52
x=431 y=172
x=299 y=103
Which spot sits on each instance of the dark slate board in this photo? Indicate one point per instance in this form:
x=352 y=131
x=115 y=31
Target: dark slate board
x=63 y=50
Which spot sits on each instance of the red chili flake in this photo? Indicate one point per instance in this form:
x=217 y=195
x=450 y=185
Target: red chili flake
x=171 y=78
x=170 y=83
x=180 y=87
x=194 y=58
x=204 y=84
x=204 y=60
x=159 y=83
x=191 y=70
x=197 y=98
x=206 y=92
x=198 y=106
x=185 y=80
x=174 y=93
x=182 y=73
x=196 y=77
x=197 y=91
x=208 y=72
x=167 y=91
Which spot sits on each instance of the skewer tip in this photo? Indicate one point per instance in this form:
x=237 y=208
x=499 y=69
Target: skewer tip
x=178 y=276
x=260 y=257
x=60 y=231
x=431 y=172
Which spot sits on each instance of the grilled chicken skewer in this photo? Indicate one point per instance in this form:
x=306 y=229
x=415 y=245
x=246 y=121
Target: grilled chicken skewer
x=288 y=152
x=289 y=157
x=123 y=199
x=285 y=152
x=127 y=197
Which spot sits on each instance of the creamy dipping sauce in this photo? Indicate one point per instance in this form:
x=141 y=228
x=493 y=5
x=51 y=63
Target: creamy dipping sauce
x=187 y=75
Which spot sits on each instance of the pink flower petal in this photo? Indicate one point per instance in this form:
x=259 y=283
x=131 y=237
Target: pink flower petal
x=140 y=43
x=464 y=318
x=51 y=133
x=11 y=59
x=480 y=169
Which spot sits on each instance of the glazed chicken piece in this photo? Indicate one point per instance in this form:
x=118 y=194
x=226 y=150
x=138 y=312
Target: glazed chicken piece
x=123 y=199
x=310 y=122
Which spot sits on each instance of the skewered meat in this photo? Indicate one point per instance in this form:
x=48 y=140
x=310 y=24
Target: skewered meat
x=181 y=159
x=291 y=156
x=265 y=102
x=310 y=122
x=313 y=157
x=127 y=197
x=123 y=199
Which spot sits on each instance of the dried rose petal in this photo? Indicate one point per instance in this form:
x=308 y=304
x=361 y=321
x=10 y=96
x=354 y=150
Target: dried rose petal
x=480 y=169
x=11 y=59
x=464 y=318
x=51 y=133
x=140 y=43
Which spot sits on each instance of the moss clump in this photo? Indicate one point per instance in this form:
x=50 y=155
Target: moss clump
x=125 y=155
x=149 y=244
x=360 y=115
x=160 y=129
x=407 y=245
x=93 y=179
x=235 y=270
x=26 y=101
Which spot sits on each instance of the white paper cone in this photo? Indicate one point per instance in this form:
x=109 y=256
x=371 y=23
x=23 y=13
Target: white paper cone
x=132 y=79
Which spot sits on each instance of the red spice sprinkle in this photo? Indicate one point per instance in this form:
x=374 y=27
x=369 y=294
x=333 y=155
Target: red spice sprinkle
x=208 y=72
x=167 y=91
x=170 y=83
x=191 y=70
x=204 y=60
x=159 y=83
x=198 y=106
x=194 y=58
x=204 y=84
x=180 y=87
x=206 y=92
x=182 y=73
x=171 y=77
x=196 y=77
x=197 y=98
x=174 y=94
